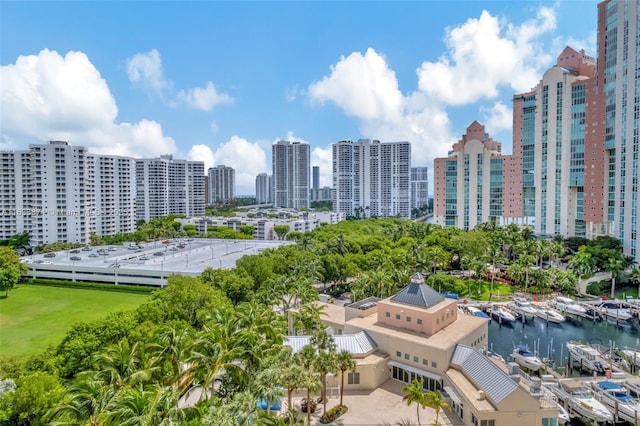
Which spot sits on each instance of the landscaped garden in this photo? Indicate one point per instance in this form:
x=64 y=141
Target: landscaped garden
x=34 y=317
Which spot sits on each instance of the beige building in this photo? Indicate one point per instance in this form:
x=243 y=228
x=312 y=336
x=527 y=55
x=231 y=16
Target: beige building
x=417 y=333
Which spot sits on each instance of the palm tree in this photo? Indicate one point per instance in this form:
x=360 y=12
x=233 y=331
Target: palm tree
x=292 y=380
x=415 y=393
x=344 y=362
x=311 y=383
x=324 y=364
x=614 y=266
x=87 y=403
x=172 y=347
x=120 y=365
x=435 y=401
x=582 y=264
x=267 y=384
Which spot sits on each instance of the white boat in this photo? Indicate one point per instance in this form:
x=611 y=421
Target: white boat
x=632 y=356
x=617 y=398
x=563 y=415
x=581 y=400
x=502 y=315
x=589 y=358
x=568 y=306
x=615 y=311
x=477 y=312
x=550 y=315
x=523 y=307
x=525 y=358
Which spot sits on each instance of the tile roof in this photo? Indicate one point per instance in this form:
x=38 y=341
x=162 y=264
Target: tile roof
x=356 y=344
x=417 y=293
x=486 y=375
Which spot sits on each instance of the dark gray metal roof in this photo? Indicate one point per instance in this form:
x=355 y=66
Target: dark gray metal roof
x=480 y=370
x=417 y=293
x=356 y=344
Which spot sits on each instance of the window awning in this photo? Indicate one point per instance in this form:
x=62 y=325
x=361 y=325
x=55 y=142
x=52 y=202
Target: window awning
x=452 y=394
x=415 y=370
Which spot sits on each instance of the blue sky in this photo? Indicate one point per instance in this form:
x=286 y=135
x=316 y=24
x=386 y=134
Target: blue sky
x=222 y=81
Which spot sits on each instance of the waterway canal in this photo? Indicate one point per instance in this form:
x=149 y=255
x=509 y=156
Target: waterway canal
x=549 y=339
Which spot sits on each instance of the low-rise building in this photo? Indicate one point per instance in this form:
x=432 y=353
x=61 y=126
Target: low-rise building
x=418 y=333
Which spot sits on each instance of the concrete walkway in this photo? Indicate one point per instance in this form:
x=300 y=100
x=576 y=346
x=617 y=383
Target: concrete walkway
x=382 y=406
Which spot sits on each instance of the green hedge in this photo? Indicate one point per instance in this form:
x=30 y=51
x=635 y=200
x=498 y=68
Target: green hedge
x=91 y=286
x=331 y=415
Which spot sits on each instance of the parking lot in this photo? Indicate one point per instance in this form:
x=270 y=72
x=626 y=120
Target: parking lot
x=167 y=257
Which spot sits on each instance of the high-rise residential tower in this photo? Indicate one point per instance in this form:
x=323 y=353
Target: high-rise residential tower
x=618 y=126
x=468 y=183
x=316 y=177
x=167 y=186
x=59 y=201
x=264 y=189
x=549 y=129
x=222 y=185
x=419 y=187
x=111 y=191
x=371 y=179
x=291 y=168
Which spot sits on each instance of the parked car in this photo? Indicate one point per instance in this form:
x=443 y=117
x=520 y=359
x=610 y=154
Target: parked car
x=74 y=251
x=94 y=255
x=49 y=255
x=86 y=248
x=75 y=258
x=158 y=253
x=113 y=248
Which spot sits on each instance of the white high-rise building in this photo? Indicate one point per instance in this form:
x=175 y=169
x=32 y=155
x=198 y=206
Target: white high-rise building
x=222 y=184
x=419 y=187
x=371 y=179
x=15 y=193
x=110 y=186
x=291 y=170
x=167 y=186
x=59 y=205
x=264 y=189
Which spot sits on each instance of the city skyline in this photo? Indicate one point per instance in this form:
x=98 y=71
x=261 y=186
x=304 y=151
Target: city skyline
x=215 y=82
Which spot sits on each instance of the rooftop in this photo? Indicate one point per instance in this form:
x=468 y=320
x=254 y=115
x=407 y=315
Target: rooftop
x=356 y=344
x=417 y=293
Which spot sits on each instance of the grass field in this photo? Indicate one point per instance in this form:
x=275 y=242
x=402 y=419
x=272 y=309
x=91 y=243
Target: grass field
x=34 y=317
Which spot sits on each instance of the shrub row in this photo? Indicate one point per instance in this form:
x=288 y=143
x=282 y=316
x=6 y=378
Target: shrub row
x=332 y=414
x=123 y=288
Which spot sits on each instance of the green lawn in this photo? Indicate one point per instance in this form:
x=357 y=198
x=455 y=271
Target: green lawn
x=34 y=317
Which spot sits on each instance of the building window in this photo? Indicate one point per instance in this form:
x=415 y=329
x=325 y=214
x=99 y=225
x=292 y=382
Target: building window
x=387 y=314
x=397 y=316
x=425 y=362
x=419 y=321
x=551 y=421
x=487 y=423
x=416 y=359
x=353 y=378
x=408 y=319
x=407 y=356
x=399 y=354
x=434 y=364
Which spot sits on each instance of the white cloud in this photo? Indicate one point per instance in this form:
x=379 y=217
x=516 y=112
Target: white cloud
x=322 y=157
x=213 y=127
x=291 y=93
x=498 y=117
x=484 y=54
x=204 y=98
x=202 y=153
x=365 y=87
x=50 y=96
x=146 y=69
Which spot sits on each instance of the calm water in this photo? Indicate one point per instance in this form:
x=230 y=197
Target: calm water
x=549 y=339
